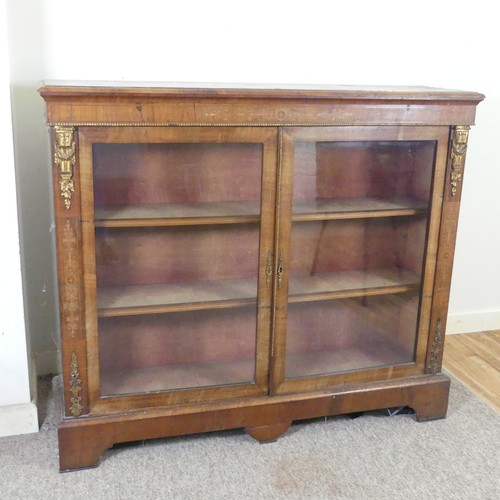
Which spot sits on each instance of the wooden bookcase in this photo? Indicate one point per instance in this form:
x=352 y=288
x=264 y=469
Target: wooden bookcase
x=247 y=257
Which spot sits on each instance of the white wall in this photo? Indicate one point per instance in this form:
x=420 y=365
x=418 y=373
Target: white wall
x=26 y=33
x=448 y=44
x=17 y=413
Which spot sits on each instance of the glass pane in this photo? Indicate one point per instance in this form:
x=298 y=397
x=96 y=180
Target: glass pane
x=360 y=216
x=193 y=266
x=362 y=176
x=176 y=180
x=177 y=251
x=350 y=334
x=177 y=350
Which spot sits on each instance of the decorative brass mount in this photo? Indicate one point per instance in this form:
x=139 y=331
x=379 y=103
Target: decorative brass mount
x=436 y=348
x=75 y=387
x=458 y=151
x=281 y=270
x=65 y=159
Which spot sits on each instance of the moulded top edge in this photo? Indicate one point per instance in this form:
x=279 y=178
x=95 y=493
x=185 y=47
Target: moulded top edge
x=233 y=90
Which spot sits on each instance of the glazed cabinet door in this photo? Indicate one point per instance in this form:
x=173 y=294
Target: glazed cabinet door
x=358 y=230
x=178 y=226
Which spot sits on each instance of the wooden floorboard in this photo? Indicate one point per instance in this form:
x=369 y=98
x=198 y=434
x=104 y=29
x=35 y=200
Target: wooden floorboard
x=474 y=359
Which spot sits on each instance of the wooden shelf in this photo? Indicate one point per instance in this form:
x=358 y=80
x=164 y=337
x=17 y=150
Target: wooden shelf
x=346 y=284
x=177 y=376
x=373 y=352
x=177 y=214
x=356 y=208
x=223 y=294
x=176 y=297
x=237 y=212
x=344 y=360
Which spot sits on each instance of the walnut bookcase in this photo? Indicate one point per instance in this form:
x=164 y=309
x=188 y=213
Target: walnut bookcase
x=247 y=257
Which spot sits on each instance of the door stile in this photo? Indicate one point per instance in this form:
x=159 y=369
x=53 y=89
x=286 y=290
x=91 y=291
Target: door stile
x=424 y=337
x=268 y=138
x=282 y=257
x=265 y=293
x=89 y=263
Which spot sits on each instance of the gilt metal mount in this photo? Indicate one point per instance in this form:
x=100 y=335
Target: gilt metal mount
x=436 y=348
x=458 y=151
x=75 y=387
x=65 y=159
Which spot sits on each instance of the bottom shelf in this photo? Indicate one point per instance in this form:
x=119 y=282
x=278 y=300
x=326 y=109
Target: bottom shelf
x=335 y=336
x=376 y=352
x=373 y=354
x=183 y=350
x=177 y=376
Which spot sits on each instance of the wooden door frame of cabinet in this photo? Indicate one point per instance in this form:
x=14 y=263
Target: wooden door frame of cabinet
x=440 y=135
x=89 y=387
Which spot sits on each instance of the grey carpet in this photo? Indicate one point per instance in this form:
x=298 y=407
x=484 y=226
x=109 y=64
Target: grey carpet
x=370 y=457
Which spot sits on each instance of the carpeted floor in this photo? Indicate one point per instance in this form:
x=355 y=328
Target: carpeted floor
x=370 y=457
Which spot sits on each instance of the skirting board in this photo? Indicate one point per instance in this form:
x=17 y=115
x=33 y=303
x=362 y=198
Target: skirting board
x=480 y=321
x=18 y=419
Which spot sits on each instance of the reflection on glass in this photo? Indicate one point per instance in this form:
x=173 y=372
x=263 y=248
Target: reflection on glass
x=361 y=176
x=177 y=350
x=350 y=334
x=177 y=247
x=176 y=180
x=360 y=212
x=177 y=266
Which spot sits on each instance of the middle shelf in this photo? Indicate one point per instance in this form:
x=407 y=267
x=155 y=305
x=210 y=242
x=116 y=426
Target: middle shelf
x=228 y=293
x=173 y=214
x=234 y=212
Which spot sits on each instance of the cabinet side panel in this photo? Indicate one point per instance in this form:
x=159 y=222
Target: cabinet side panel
x=70 y=273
